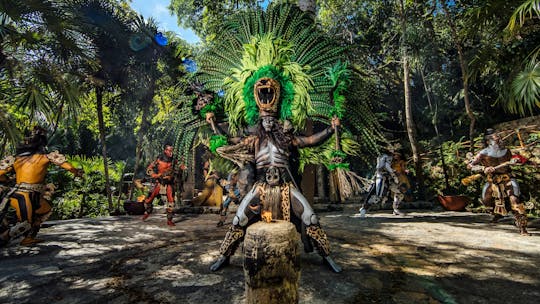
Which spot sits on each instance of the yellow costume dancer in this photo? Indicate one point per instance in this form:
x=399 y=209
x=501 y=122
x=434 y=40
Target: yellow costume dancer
x=30 y=196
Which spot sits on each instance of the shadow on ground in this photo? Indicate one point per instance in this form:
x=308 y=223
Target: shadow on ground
x=423 y=257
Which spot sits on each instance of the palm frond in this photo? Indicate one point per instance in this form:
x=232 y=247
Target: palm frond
x=528 y=10
x=526 y=90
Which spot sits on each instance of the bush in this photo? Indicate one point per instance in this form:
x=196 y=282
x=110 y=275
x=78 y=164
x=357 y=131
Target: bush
x=86 y=196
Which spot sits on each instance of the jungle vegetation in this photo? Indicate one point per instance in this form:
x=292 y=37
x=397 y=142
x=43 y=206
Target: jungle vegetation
x=435 y=74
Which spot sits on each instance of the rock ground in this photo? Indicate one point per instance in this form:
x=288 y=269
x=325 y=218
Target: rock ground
x=422 y=257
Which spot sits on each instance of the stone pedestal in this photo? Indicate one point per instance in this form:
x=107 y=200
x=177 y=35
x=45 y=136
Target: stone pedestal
x=271 y=263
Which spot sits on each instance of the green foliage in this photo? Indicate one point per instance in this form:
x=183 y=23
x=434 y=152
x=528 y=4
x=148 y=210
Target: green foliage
x=456 y=169
x=213 y=107
x=324 y=153
x=339 y=75
x=217 y=141
x=527 y=10
x=86 y=196
x=222 y=166
x=205 y=17
x=526 y=90
x=40 y=51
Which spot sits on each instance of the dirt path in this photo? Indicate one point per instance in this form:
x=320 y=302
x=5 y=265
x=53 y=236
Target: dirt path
x=424 y=257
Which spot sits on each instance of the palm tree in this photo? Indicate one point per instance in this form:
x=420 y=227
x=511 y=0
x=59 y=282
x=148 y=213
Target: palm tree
x=147 y=59
x=110 y=33
x=39 y=51
x=525 y=88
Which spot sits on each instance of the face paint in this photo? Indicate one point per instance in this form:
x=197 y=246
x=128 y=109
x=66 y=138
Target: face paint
x=168 y=151
x=267 y=123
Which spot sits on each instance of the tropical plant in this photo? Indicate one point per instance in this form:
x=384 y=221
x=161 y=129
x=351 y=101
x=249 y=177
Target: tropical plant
x=525 y=88
x=40 y=49
x=109 y=31
x=206 y=17
x=83 y=197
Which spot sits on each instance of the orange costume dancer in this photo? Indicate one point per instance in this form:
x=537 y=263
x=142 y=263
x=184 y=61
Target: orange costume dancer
x=162 y=172
x=30 y=197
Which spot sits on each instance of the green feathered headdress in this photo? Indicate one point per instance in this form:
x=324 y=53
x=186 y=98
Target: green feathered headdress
x=268 y=56
x=282 y=43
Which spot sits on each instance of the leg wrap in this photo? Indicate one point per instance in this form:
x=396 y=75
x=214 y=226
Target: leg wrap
x=148 y=207
x=37 y=223
x=286 y=202
x=170 y=209
x=317 y=234
x=232 y=239
x=521 y=221
x=21 y=228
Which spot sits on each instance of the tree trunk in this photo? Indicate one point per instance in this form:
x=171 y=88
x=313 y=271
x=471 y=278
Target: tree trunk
x=465 y=80
x=464 y=73
x=271 y=265
x=411 y=128
x=140 y=137
x=428 y=95
x=101 y=125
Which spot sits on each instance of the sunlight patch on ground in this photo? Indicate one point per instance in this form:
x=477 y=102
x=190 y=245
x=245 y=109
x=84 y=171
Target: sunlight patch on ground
x=209 y=256
x=15 y=290
x=423 y=271
x=199 y=280
x=132 y=262
x=87 y=250
x=89 y=284
x=46 y=271
x=182 y=277
x=174 y=272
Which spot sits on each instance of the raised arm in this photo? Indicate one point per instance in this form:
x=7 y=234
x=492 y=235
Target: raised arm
x=61 y=161
x=305 y=141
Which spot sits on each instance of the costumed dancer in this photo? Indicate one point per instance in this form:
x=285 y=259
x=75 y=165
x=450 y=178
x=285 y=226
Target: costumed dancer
x=400 y=168
x=162 y=173
x=212 y=193
x=501 y=190
x=233 y=195
x=275 y=70
x=279 y=197
x=30 y=197
x=386 y=181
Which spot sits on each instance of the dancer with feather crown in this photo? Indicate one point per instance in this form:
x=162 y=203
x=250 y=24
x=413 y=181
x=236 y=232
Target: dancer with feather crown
x=274 y=70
